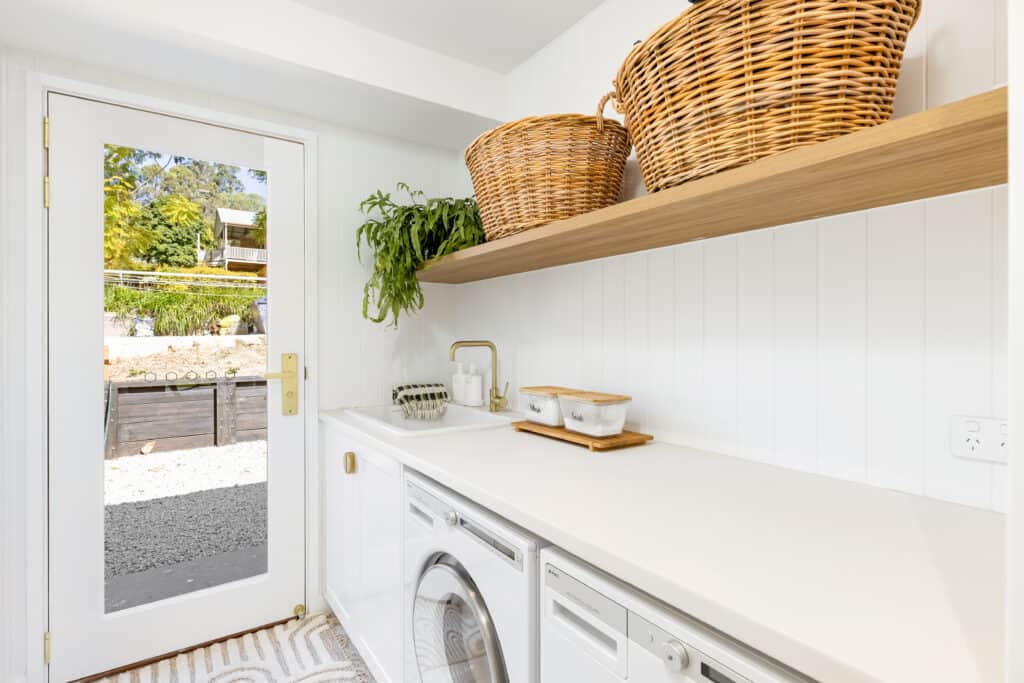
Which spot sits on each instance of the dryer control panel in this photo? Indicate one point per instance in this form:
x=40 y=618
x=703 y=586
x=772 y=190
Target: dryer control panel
x=679 y=657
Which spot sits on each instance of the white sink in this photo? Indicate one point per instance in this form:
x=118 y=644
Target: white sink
x=456 y=419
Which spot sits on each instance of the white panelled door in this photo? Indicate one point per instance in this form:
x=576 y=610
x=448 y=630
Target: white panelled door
x=176 y=471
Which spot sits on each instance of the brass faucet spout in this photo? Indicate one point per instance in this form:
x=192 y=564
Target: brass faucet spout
x=498 y=401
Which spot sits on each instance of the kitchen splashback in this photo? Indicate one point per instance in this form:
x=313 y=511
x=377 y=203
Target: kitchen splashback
x=840 y=346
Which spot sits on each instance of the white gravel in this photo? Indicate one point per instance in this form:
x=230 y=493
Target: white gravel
x=157 y=475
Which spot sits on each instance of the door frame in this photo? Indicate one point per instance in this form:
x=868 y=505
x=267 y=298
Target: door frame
x=36 y=229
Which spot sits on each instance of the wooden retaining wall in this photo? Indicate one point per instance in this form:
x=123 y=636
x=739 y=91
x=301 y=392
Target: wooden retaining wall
x=177 y=414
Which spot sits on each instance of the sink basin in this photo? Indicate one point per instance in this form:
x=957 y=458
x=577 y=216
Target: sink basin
x=456 y=419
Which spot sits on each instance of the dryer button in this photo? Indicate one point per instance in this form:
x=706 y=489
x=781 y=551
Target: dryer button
x=674 y=655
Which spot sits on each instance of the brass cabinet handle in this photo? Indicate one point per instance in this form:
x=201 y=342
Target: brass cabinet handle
x=350 y=463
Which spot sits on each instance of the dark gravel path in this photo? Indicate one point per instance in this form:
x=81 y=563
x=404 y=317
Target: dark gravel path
x=168 y=531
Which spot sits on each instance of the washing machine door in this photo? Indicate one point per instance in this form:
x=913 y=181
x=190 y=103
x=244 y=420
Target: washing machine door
x=453 y=633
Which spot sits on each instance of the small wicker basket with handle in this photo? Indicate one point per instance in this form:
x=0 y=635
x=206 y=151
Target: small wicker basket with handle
x=544 y=168
x=731 y=81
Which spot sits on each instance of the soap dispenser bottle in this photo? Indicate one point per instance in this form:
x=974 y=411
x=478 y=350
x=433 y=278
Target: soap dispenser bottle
x=474 y=387
x=459 y=384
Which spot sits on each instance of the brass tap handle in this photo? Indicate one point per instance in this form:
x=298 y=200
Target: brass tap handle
x=499 y=401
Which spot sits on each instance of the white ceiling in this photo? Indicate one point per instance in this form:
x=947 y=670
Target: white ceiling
x=494 y=34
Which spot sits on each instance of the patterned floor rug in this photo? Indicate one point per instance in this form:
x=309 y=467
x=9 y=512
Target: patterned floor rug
x=311 y=650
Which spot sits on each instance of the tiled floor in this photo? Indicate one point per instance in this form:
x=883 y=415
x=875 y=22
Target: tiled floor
x=312 y=650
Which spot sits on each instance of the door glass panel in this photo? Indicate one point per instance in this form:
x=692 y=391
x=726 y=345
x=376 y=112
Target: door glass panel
x=185 y=402
x=452 y=634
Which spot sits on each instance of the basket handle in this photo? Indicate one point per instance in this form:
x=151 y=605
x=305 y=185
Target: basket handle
x=601 y=105
x=917 y=14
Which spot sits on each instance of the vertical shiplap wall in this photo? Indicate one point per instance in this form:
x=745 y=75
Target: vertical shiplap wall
x=840 y=346
x=360 y=361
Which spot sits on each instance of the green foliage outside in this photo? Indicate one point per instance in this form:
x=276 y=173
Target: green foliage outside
x=195 y=270
x=178 y=228
x=124 y=237
x=260 y=232
x=403 y=237
x=176 y=311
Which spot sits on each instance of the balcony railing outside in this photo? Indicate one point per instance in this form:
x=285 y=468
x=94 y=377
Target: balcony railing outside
x=247 y=254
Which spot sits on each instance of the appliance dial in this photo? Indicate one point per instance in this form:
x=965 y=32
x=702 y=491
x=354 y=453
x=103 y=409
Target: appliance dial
x=451 y=518
x=674 y=655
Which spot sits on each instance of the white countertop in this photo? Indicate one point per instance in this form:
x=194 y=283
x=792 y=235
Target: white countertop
x=841 y=581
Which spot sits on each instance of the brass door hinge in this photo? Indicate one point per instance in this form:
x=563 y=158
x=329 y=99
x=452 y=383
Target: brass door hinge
x=46 y=647
x=46 y=161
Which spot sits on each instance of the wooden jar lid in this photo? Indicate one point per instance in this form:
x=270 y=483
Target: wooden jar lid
x=545 y=390
x=596 y=397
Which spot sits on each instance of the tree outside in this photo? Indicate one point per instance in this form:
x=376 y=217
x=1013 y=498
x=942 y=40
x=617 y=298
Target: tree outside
x=158 y=207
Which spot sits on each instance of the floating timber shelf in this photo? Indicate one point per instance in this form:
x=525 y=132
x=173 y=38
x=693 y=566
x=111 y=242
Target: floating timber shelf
x=956 y=147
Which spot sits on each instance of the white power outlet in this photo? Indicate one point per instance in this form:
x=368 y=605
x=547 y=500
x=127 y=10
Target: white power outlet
x=980 y=438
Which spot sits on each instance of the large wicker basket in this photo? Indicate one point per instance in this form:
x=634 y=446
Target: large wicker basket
x=731 y=81
x=544 y=168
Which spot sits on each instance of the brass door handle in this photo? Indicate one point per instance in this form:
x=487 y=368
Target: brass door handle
x=350 y=463
x=289 y=376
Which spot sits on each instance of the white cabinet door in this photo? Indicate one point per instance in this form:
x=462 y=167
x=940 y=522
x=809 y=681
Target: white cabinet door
x=379 y=608
x=342 y=531
x=364 y=549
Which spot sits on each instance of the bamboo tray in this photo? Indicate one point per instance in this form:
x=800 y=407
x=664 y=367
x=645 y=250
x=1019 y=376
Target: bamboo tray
x=594 y=443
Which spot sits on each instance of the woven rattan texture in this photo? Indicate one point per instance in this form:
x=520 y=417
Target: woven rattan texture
x=732 y=81
x=545 y=168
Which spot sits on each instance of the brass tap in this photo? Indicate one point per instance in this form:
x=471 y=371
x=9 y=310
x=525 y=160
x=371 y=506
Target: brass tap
x=499 y=401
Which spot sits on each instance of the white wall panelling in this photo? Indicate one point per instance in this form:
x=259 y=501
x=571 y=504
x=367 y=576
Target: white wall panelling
x=840 y=346
x=1015 y=573
x=719 y=382
x=958 y=329
x=895 y=345
x=22 y=376
x=796 y=346
x=1000 y=384
x=755 y=364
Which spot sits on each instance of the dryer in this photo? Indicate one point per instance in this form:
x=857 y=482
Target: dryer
x=596 y=629
x=471 y=591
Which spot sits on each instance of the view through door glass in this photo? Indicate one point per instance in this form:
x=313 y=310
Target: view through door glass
x=185 y=347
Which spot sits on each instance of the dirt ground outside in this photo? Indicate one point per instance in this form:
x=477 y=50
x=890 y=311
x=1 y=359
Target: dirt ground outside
x=246 y=357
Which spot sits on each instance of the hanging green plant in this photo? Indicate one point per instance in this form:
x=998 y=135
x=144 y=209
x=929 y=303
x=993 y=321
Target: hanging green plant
x=403 y=237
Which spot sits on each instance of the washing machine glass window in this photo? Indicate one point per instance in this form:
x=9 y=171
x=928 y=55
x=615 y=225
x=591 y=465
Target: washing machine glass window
x=453 y=633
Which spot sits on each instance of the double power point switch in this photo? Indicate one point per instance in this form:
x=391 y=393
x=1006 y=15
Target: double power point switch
x=980 y=438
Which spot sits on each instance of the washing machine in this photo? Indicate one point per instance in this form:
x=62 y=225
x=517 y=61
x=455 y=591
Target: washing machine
x=599 y=630
x=471 y=591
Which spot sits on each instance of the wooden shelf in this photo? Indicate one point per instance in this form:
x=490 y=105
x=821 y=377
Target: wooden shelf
x=957 y=147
